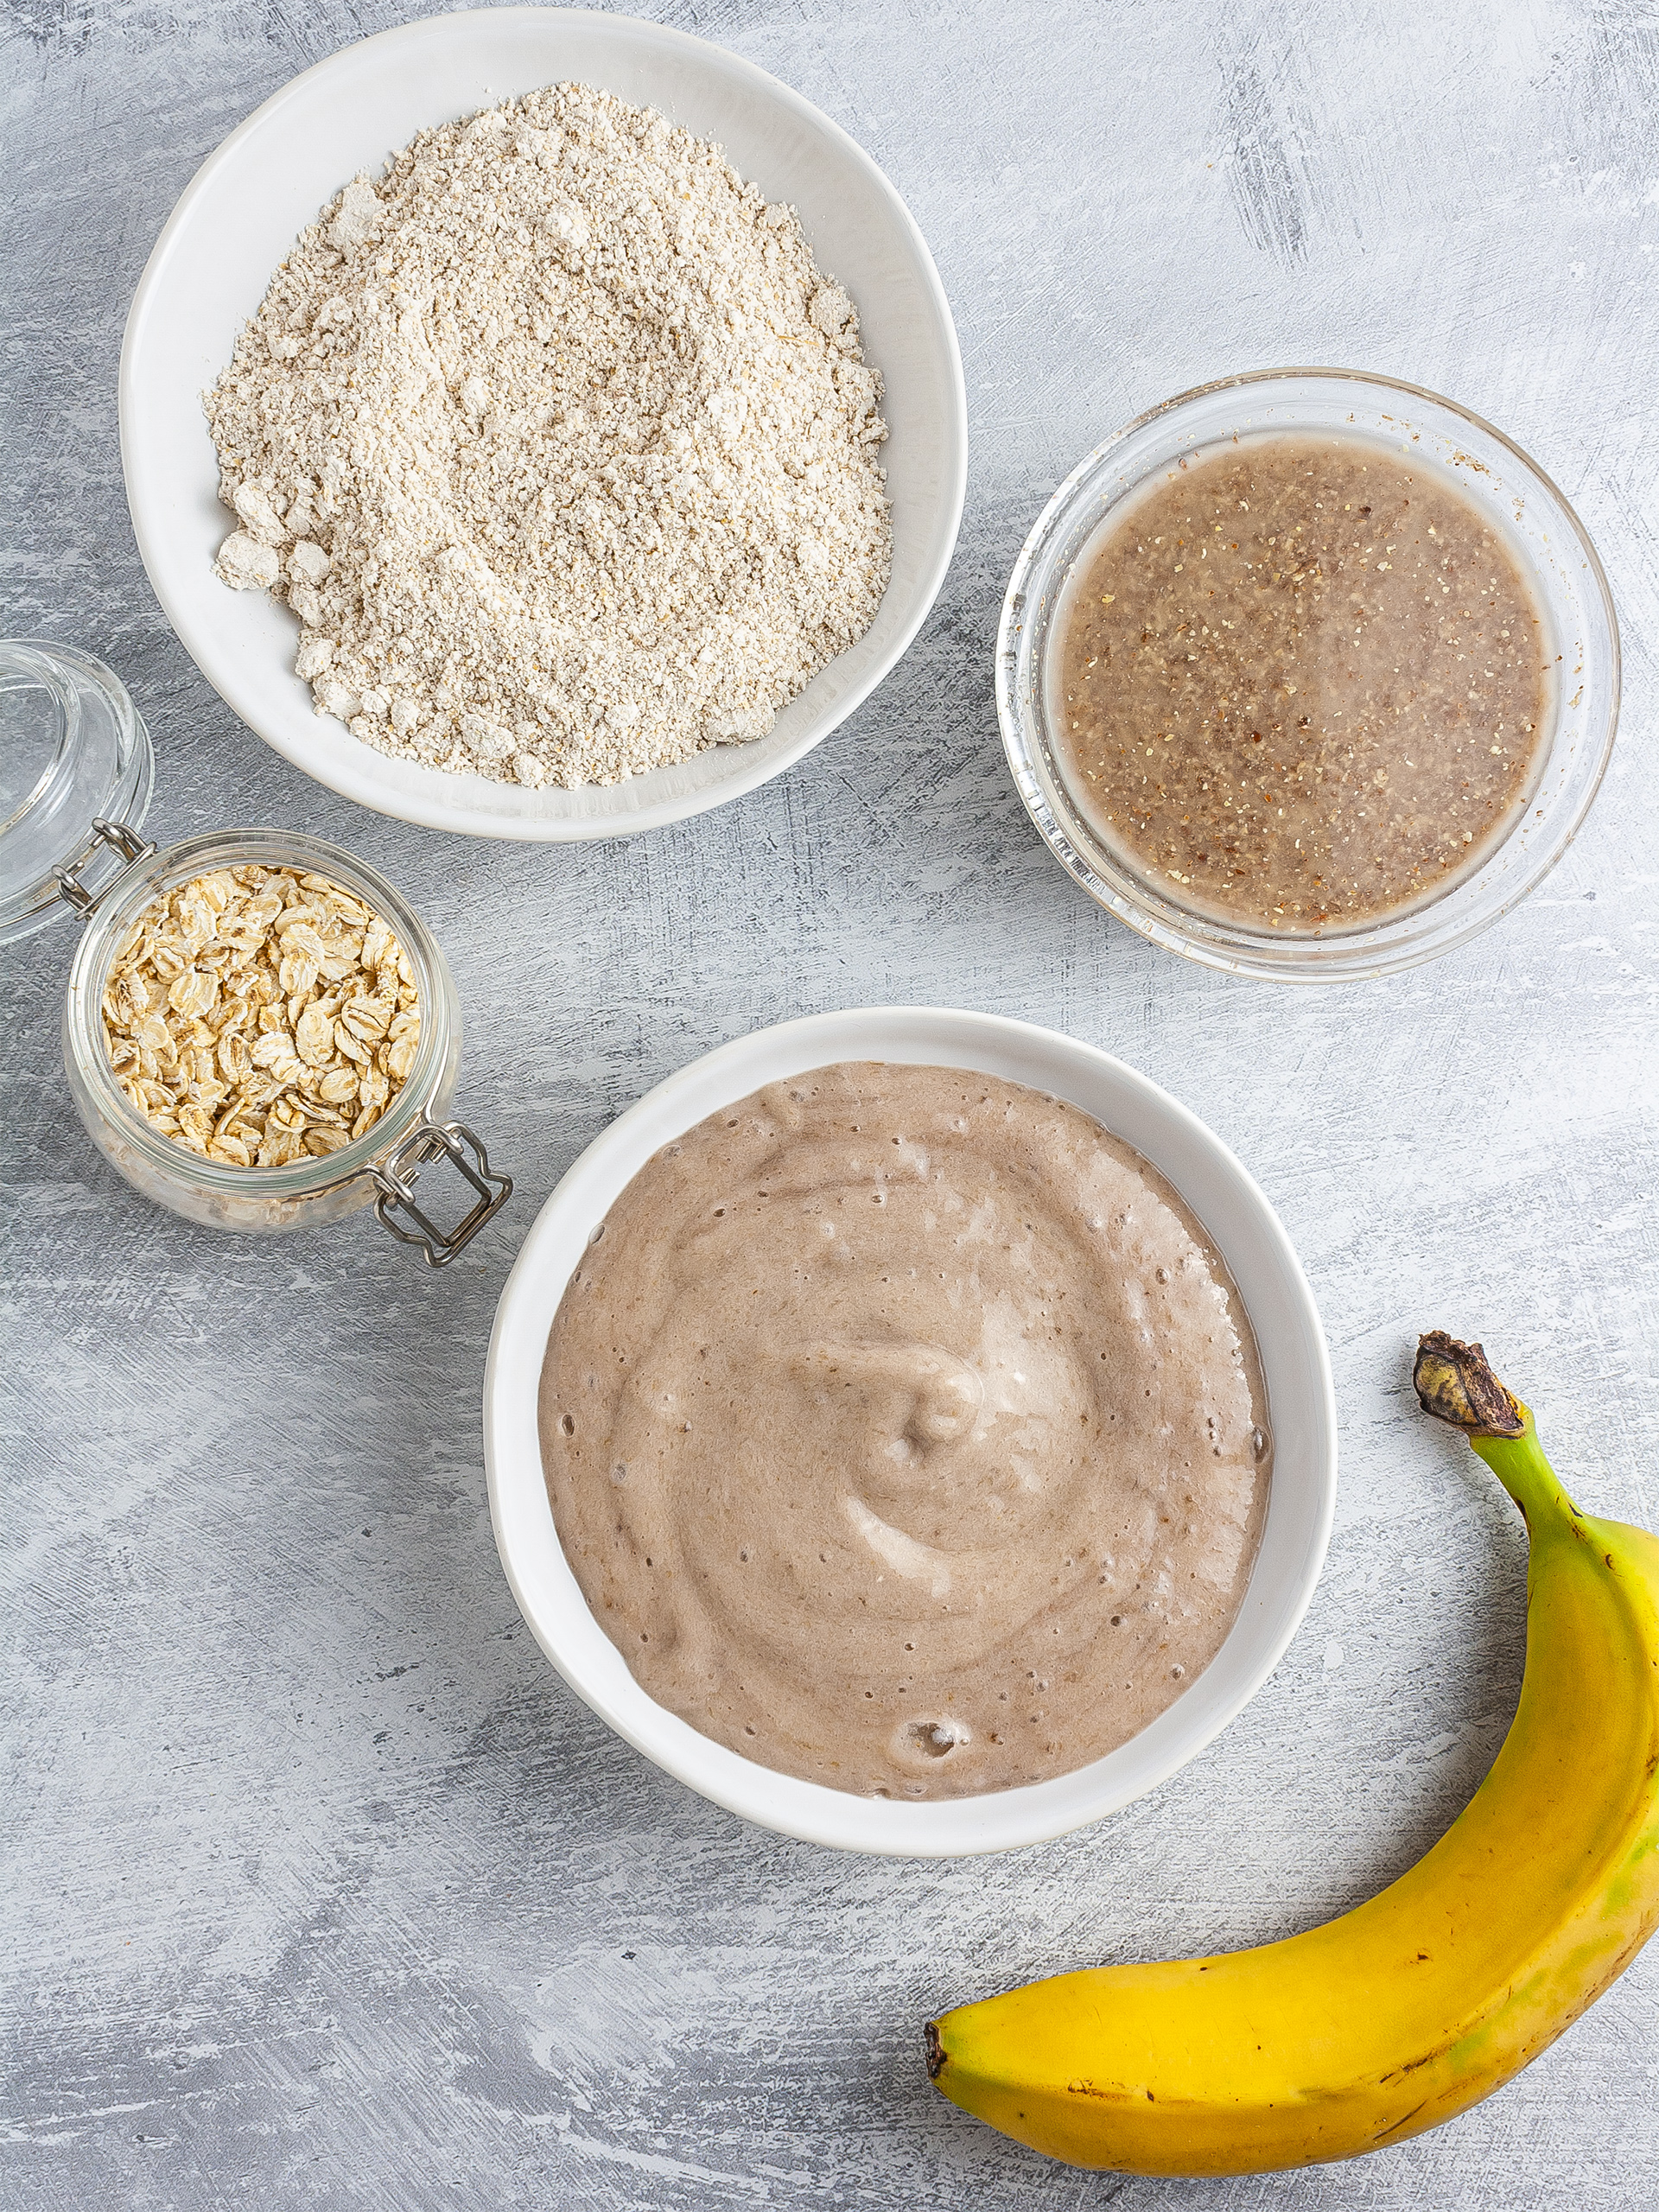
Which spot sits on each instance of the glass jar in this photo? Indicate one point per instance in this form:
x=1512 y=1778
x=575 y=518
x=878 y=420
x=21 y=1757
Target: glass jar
x=1508 y=491
x=110 y=877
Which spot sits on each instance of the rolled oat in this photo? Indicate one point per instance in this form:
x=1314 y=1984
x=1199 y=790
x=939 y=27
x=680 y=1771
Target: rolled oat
x=260 y=1016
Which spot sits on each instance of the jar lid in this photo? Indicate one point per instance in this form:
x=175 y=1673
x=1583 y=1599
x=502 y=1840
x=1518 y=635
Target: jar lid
x=76 y=771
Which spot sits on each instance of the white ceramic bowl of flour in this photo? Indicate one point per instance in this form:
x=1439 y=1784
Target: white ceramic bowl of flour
x=252 y=197
x=1295 y=1363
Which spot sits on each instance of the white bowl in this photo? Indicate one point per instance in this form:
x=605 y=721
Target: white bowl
x=251 y=198
x=1295 y=1363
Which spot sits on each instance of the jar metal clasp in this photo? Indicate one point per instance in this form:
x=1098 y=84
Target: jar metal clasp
x=396 y=1176
x=120 y=839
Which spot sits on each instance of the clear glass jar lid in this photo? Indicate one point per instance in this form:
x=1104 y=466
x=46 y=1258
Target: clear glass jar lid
x=75 y=769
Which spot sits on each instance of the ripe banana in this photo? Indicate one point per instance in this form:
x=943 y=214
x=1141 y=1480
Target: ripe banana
x=1417 y=2004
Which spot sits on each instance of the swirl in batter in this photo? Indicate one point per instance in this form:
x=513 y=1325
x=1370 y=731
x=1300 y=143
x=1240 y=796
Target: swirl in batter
x=904 y=1431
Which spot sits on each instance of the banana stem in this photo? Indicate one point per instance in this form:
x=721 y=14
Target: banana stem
x=1519 y=1464
x=1455 y=1384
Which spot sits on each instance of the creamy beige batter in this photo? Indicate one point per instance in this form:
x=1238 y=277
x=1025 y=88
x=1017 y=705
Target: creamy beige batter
x=904 y=1431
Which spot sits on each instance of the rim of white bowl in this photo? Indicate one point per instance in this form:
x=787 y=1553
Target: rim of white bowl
x=337 y=768
x=550 y=1600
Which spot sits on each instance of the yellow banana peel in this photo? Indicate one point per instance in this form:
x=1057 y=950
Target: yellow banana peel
x=1434 y=1993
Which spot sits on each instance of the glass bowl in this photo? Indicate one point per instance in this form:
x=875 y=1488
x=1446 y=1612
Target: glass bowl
x=1511 y=493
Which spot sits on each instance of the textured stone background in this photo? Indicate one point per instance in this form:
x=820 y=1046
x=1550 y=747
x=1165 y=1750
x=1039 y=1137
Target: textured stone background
x=320 y=1888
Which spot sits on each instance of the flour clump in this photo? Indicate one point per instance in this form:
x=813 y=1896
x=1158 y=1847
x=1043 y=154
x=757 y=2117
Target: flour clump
x=559 y=445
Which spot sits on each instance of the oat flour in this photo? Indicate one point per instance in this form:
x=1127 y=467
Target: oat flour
x=559 y=446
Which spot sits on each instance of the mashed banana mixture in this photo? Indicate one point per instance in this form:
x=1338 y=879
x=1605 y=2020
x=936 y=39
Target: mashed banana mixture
x=905 y=1433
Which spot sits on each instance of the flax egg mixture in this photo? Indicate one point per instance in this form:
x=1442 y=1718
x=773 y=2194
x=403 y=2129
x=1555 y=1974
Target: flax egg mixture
x=904 y=1431
x=1301 y=684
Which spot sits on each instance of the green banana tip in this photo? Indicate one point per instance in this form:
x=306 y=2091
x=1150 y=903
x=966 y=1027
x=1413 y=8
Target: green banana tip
x=1455 y=1384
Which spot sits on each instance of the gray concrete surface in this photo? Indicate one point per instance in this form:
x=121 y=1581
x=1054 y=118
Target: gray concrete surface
x=320 y=1888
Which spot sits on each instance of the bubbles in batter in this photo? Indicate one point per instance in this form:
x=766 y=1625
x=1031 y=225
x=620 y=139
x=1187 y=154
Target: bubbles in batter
x=942 y=1433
